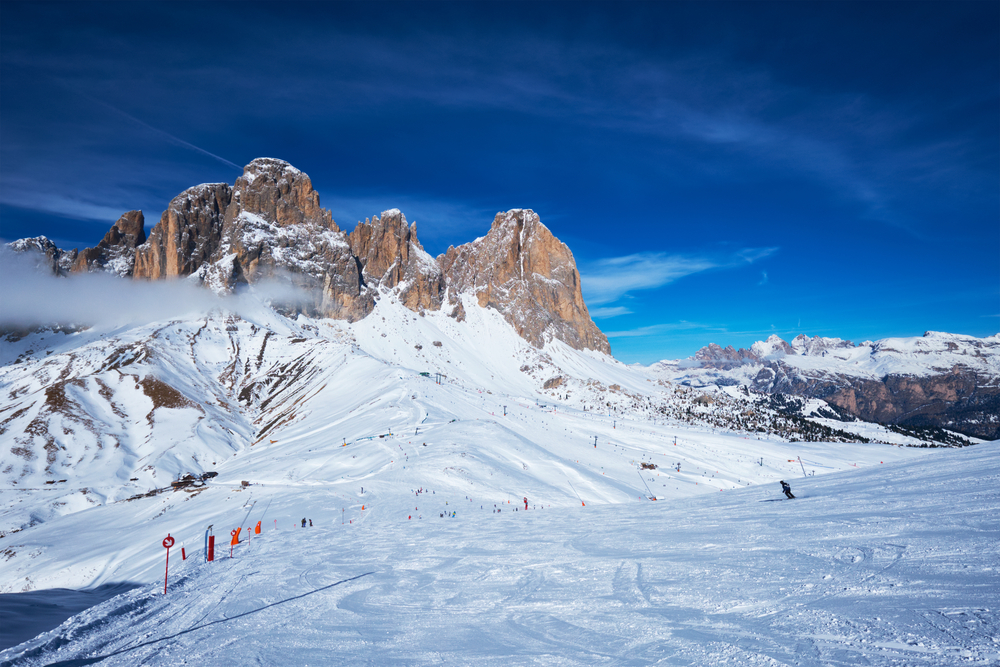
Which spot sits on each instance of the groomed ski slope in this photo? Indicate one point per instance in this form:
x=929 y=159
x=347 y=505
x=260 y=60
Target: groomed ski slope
x=897 y=564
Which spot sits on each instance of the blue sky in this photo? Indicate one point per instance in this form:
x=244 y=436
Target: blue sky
x=721 y=171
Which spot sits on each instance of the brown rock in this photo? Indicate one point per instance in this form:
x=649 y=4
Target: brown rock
x=116 y=251
x=270 y=225
x=274 y=227
x=188 y=234
x=391 y=255
x=521 y=270
x=959 y=400
x=724 y=358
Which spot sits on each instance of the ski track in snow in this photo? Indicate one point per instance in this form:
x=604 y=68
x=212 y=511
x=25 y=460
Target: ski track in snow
x=895 y=565
x=888 y=555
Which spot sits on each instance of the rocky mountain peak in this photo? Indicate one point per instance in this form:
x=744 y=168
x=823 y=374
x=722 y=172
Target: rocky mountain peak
x=716 y=355
x=128 y=230
x=269 y=225
x=188 y=234
x=278 y=192
x=116 y=251
x=391 y=256
x=50 y=257
x=817 y=345
x=524 y=272
x=937 y=380
x=773 y=346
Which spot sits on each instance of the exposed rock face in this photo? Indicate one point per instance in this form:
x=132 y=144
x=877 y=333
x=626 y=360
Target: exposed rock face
x=391 y=256
x=116 y=251
x=715 y=356
x=946 y=380
x=270 y=225
x=275 y=228
x=51 y=258
x=521 y=270
x=188 y=234
x=961 y=400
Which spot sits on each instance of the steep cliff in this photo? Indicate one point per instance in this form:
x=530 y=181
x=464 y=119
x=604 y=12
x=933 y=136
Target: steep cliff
x=521 y=270
x=117 y=250
x=391 y=257
x=188 y=234
x=275 y=228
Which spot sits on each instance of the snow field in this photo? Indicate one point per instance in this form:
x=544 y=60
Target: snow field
x=885 y=566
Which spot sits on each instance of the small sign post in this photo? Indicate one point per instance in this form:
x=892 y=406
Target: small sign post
x=167 y=543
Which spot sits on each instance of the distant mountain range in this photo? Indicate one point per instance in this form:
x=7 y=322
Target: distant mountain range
x=939 y=379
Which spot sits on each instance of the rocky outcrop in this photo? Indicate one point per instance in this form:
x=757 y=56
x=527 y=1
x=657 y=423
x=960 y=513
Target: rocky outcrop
x=390 y=257
x=525 y=273
x=50 y=258
x=270 y=226
x=275 y=229
x=961 y=400
x=116 y=251
x=724 y=358
x=188 y=235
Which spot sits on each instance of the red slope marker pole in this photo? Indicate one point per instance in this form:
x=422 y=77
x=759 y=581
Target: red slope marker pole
x=167 y=543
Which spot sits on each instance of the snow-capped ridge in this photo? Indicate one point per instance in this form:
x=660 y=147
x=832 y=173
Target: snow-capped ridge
x=938 y=379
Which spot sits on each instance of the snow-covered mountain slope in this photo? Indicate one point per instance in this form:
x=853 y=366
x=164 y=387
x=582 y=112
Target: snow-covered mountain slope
x=411 y=442
x=938 y=379
x=894 y=564
x=94 y=416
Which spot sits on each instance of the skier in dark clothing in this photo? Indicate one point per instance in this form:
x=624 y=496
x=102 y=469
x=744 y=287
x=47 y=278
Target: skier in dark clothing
x=787 y=490
x=303 y=523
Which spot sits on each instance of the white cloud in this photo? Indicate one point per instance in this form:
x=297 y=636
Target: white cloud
x=666 y=327
x=751 y=255
x=607 y=280
x=605 y=313
x=69 y=207
x=33 y=297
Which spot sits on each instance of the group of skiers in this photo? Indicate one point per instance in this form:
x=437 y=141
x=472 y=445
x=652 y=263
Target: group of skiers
x=785 y=488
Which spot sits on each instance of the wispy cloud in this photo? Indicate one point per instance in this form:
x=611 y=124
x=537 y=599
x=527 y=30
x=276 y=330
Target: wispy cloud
x=663 y=328
x=608 y=280
x=162 y=133
x=606 y=313
x=66 y=206
x=32 y=296
x=751 y=255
